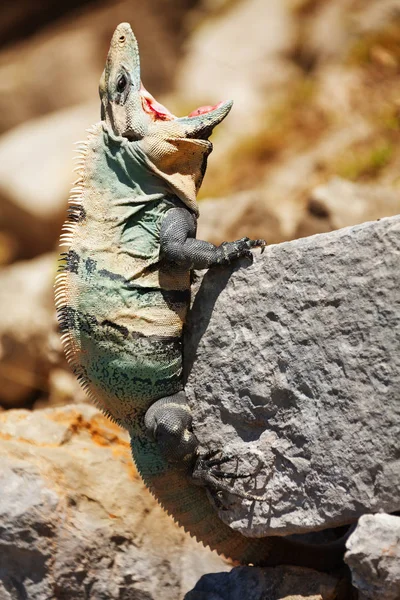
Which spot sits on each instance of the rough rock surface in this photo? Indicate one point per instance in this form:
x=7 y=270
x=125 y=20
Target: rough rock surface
x=374 y=557
x=76 y=521
x=294 y=369
x=281 y=583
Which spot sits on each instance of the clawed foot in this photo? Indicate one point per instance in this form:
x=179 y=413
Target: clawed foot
x=207 y=472
x=204 y=467
x=240 y=248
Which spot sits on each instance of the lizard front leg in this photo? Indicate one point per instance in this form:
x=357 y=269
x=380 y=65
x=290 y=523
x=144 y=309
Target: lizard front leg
x=180 y=250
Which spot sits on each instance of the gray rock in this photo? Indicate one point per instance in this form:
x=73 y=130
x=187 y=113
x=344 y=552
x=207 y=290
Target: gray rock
x=294 y=369
x=374 y=557
x=75 y=520
x=252 y=583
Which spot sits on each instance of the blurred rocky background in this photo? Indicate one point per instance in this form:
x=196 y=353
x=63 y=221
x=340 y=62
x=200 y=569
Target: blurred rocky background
x=311 y=145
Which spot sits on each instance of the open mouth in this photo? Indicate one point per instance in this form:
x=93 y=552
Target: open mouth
x=159 y=112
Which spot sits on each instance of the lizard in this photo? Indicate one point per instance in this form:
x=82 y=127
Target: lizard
x=123 y=292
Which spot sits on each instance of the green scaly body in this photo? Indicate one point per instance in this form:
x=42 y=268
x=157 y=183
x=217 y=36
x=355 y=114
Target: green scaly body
x=121 y=315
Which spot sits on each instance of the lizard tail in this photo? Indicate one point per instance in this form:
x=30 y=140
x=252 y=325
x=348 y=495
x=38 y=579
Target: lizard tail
x=190 y=508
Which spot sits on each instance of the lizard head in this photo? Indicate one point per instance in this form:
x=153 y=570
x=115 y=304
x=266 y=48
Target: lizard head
x=173 y=148
x=121 y=105
x=131 y=111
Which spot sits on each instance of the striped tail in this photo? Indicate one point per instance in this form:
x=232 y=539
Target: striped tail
x=190 y=508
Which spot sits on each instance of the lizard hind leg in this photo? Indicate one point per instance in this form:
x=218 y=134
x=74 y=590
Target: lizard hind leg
x=169 y=422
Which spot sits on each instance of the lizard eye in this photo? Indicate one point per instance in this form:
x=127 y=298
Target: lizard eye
x=121 y=83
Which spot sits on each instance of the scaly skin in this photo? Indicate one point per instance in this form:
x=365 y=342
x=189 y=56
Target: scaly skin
x=124 y=289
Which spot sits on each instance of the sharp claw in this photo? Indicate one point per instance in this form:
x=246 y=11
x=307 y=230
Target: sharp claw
x=256 y=243
x=214 y=478
x=210 y=454
x=224 y=475
x=208 y=461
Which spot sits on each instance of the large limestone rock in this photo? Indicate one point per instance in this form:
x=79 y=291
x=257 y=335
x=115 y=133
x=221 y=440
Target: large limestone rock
x=75 y=520
x=294 y=370
x=217 y=66
x=374 y=557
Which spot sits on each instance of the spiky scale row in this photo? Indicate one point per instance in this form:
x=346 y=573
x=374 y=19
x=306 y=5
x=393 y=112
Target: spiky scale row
x=61 y=291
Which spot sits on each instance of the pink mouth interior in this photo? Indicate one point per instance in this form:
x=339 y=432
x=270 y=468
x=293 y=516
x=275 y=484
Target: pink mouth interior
x=202 y=110
x=159 y=111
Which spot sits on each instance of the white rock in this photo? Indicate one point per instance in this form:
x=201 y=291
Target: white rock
x=374 y=557
x=218 y=64
x=36 y=174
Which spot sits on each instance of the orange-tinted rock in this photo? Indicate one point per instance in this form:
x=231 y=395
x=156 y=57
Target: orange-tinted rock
x=75 y=516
